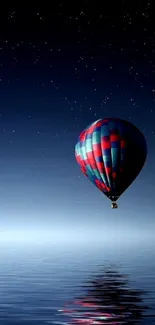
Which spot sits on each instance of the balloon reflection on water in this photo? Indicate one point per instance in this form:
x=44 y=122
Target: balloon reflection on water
x=108 y=300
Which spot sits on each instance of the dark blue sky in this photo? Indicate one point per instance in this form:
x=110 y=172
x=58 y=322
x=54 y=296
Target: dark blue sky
x=62 y=68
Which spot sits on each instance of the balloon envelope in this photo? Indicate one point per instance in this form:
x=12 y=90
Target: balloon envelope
x=111 y=152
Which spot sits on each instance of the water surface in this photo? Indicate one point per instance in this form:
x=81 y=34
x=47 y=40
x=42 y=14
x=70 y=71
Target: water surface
x=55 y=284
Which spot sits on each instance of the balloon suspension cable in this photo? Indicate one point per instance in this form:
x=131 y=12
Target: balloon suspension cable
x=114 y=205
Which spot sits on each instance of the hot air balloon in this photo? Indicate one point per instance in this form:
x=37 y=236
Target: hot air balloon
x=111 y=152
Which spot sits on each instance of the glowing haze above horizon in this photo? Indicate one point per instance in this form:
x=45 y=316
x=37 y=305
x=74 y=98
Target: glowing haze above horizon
x=62 y=68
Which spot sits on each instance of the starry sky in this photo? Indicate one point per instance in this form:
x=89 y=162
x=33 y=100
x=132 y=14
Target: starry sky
x=61 y=68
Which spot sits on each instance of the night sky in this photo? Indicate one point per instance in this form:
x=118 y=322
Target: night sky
x=62 y=67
